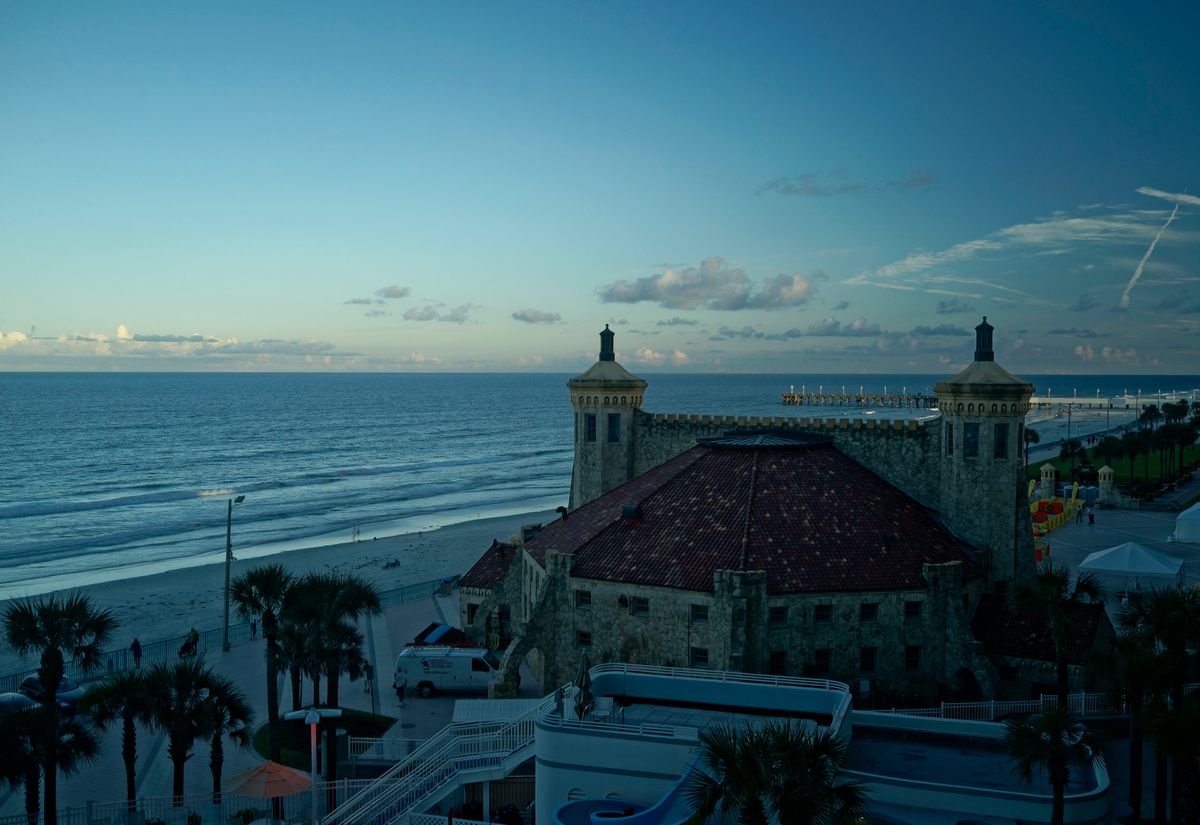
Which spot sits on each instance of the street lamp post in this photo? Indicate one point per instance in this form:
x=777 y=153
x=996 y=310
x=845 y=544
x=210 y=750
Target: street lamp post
x=228 y=559
x=312 y=717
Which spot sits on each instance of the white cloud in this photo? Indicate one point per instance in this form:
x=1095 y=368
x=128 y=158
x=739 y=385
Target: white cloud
x=12 y=339
x=1176 y=198
x=713 y=285
x=458 y=315
x=536 y=316
x=392 y=292
x=1137 y=273
x=425 y=313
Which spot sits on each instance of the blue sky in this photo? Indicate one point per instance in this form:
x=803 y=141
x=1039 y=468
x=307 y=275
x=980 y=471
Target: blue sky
x=792 y=187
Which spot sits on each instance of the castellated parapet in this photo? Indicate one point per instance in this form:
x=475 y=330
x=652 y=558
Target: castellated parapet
x=965 y=464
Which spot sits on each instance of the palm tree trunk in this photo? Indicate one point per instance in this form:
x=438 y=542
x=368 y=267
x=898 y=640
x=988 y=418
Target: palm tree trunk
x=129 y=755
x=1136 y=744
x=216 y=759
x=1160 y=783
x=33 y=791
x=178 y=752
x=297 y=687
x=272 y=689
x=50 y=764
x=1060 y=655
x=332 y=696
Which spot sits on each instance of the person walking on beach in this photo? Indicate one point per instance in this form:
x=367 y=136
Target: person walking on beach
x=1091 y=515
x=400 y=683
x=136 y=650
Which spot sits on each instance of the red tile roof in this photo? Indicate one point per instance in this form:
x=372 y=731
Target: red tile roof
x=492 y=566
x=814 y=519
x=1006 y=631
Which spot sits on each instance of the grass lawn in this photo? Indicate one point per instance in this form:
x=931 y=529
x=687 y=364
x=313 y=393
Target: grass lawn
x=1191 y=455
x=294 y=736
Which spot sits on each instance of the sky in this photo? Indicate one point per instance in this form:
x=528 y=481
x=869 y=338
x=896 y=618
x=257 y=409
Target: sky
x=757 y=187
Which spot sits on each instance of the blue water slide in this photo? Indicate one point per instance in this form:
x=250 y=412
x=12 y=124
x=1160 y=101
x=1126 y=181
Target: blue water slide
x=672 y=809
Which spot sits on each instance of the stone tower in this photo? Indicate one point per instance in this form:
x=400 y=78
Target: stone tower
x=982 y=472
x=605 y=398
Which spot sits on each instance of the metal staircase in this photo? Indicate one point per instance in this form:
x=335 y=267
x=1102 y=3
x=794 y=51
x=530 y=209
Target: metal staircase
x=461 y=752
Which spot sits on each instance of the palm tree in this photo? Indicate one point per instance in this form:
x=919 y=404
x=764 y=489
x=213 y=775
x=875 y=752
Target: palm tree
x=1070 y=450
x=328 y=606
x=123 y=697
x=229 y=715
x=775 y=771
x=1051 y=740
x=1108 y=449
x=1031 y=437
x=1169 y=620
x=1150 y=415
x=179 y=695
x=18 y=760
x=261 y=592
x=1130 y=672
x=59 y=628
x=294 y=655
x=1052 y=595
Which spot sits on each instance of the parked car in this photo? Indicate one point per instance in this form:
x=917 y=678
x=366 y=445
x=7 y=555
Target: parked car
x=68 y=694
x=15 y=703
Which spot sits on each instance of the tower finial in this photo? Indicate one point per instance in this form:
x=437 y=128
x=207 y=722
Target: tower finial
x=606 y=344
x=983 y=342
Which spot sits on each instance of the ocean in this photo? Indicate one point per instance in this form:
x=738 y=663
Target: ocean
x=105 y=475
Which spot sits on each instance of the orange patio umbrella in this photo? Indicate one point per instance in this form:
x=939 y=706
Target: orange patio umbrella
x=270 y=779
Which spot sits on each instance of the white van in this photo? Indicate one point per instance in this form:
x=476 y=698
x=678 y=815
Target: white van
x=430 y=669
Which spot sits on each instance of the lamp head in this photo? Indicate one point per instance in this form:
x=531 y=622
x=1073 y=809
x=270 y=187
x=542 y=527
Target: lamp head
x=239 y=499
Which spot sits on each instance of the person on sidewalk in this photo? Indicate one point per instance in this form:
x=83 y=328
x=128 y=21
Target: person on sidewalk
x=400 y=683
x=136 y=650
x=368 y=675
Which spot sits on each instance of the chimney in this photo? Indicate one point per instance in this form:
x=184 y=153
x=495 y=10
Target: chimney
x=606 y=344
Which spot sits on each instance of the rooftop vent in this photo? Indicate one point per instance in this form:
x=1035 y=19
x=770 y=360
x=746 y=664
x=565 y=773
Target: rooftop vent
x=632 y=513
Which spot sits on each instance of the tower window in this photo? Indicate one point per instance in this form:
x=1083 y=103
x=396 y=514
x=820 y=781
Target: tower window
x=823 y=613
x=867 y=657
x=971 y=440
x=699 y=613
x=583 y=599
x=777 y=663
x=912 y=657
x=699 y=657
x=868 y=611
x=949 y=438
x=590 y=426
x=777 y=615
x=822 y=657
x=1000 y=441
x=614 y=428
x=912 y=611
x=583 y=638
x=640 y=606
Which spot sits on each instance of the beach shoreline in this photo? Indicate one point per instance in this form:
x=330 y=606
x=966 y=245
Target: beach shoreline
x=166 y=604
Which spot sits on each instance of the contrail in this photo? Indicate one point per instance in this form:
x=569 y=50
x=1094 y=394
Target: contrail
x=1137 y=273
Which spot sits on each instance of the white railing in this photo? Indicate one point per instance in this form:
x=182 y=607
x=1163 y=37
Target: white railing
x=1083 y=704
x=193 y=808
x=720 y=676
x=461 y=746
x=440 y=819
x=387 y=748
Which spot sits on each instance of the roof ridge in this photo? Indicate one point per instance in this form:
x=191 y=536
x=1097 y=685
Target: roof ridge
x=749 y=510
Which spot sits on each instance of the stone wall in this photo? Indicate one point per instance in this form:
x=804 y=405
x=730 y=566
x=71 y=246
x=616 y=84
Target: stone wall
x=739 y=627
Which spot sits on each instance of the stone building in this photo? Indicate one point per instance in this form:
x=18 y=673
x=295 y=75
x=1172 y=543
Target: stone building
x=858 y=550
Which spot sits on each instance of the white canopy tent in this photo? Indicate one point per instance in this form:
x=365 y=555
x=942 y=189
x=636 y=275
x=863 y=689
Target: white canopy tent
x=1187 y=525
x=1131 y=559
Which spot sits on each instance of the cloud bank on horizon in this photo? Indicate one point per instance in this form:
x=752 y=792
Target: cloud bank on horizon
x=827 y=196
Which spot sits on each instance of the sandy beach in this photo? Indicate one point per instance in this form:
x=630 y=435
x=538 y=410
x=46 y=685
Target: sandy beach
x=167 y=604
